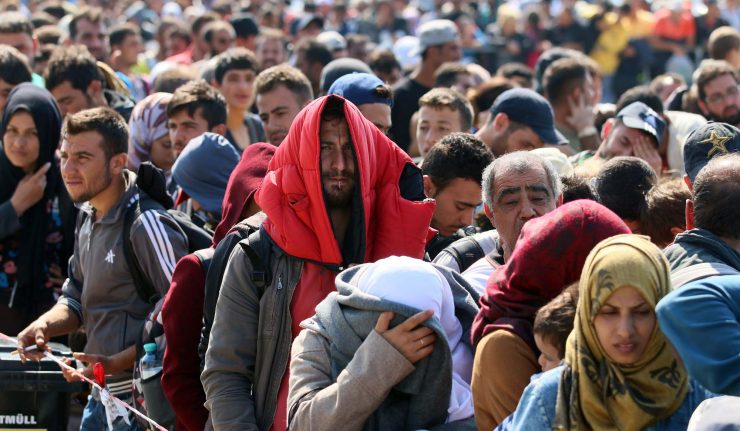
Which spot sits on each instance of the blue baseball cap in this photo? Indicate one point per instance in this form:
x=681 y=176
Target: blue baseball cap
x=526 y=107
x=358 y=89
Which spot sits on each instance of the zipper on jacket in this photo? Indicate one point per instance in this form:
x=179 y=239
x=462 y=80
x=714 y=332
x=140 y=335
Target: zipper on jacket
x=280 y=282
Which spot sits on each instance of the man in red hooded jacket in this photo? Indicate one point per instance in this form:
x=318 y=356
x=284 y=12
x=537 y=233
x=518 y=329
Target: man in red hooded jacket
x=182 y=311
x=338 y=192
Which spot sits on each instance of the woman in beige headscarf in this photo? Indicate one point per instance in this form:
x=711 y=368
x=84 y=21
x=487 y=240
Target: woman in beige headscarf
x=620 y=372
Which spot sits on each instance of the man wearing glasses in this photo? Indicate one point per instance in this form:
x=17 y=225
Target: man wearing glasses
x=718 y=86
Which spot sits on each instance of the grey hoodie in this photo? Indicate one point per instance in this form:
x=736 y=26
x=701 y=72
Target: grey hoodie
x=417 y=396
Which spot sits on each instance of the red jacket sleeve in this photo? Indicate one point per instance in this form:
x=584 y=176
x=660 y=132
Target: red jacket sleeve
x=182 y=316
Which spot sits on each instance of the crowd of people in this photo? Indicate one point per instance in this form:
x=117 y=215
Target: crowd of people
x=377 y=215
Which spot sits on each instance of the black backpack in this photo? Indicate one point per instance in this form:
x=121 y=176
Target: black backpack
x=152 y=184
x=257 y=248
x=465 y=251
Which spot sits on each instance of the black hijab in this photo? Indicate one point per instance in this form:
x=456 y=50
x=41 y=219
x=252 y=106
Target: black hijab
x=40 y=104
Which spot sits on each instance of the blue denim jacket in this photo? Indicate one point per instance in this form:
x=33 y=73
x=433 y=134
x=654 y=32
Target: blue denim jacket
x=536 y=409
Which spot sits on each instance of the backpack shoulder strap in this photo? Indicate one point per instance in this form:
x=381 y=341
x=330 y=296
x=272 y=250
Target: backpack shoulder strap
x=257 y=249
x=205 y=256
x=699 y=271
x=143 y=285
x=466 y=252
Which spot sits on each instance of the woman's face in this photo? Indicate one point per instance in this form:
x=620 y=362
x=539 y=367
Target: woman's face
x=163 y=153
x=21 y=141
x=624 y=325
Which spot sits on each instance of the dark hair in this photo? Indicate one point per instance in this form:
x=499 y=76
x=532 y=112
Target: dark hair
x=708 y=71
x=15 y=22
x=234 y=59
x=14 y=67
x=179 y=31
x=383 y=61
x=576 y=187
x=74 y=64
x=172 y=79
x=333 y=109
x=562 y=76
x=315 y=51
x=659 y=82
x=641 y=93
x=199 y=95
x=516 y=70
x=722 y=41
x=215 y=26
x=120 y=32
x=244 y=25
x=621 y=185
x=549 y=57
x=554 y=321
x=41 y=18
x=290 y=77
x=446 y=74
x=48 y=34
x=717 y=196
x=457 y=155
x=92 y=14
x=383 y=92
x=483 y=96
x=449 y=98
x=202 y=21
x=106 y=122
x=57 y=9
x=664 y=209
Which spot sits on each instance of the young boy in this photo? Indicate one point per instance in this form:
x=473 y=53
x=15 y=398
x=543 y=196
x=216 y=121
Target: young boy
x=234 y=77
x=553 y=324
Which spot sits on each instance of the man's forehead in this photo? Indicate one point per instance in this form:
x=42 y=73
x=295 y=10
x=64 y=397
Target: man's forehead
x=513 y=176
x=89 y=142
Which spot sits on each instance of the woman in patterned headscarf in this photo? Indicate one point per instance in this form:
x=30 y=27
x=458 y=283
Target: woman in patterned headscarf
x=620 y=371
x=149 y=138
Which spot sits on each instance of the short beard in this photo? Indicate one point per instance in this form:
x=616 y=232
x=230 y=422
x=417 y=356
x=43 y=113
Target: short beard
x=91 y=193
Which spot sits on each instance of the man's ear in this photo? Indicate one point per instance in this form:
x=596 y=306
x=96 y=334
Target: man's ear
x=606 y=129
x=216 y=85
x=689 y=214
x=703 y=107
x=430 y=190
x=500 y=122
x=95 y=89
x=118 y=163
x=489 y=213
x=219 y=129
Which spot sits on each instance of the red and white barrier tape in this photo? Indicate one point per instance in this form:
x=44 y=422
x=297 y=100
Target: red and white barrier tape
x=76 y=372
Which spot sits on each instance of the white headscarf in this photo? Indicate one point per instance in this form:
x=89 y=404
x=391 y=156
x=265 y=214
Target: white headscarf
x=418 y=284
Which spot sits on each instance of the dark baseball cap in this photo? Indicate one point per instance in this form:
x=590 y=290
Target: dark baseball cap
x=359 y=89
x=638 y=115
x=526 y=107
x=707 y=141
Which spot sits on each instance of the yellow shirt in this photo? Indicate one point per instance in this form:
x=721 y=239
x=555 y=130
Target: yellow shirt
x=610 y=43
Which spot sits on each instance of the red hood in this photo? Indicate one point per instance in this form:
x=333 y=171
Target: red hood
x=243 y=183
x=291 y=194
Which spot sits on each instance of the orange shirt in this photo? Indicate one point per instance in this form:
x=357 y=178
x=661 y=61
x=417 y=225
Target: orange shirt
x=666 y=28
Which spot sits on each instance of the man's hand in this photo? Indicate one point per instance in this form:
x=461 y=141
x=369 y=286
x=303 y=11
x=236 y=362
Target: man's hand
x=35 y=334
x=90 y=361
x=414 y=342
x=645 y=149
x=582 y=114
x=29 y=190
